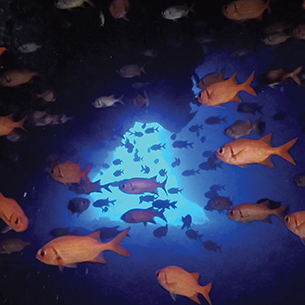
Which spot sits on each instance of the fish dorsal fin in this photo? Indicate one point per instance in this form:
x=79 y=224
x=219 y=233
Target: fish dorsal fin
x=95 y=235
x=195 y=298
x=266 y=203
x=99 y=259
x=154 y=178
x=266 y=139
x=195 y=275
x=268 y=162
x=232 y=78
x=173 y=295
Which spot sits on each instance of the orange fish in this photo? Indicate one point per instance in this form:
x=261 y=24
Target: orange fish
x=295 y=222
x=119 y=8
x=12 y=214
x=2 y=49
x=303 y=5
x=178 y=281
x=69 y=172
x=225 y=91
x=7 y=124
x=242 y=152
x=67 y=251
x=13 y=78
x=242 y=10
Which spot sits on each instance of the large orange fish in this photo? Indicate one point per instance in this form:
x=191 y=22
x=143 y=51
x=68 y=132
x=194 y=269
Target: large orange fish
x=178 y=281
x=295 y=222
x=12 y=214
x=225 y=91
x=7 y=124
x=69 y=172
x=242 y=152
x=242 y=10
x=67 y=251
x=13 y=78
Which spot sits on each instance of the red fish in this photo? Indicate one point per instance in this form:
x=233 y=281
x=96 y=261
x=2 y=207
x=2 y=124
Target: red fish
x=67 y=251
x=12 y=214
x=242 y=152
x=225 y=91
x=69 y=172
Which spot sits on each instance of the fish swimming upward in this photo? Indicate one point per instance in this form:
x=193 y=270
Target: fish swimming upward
x=67 y=251
x=12 y=214
x=7 y=125
x=225 y=91
x=178 y=281
x=69 y=172
x=242 y=152
x=141 y=185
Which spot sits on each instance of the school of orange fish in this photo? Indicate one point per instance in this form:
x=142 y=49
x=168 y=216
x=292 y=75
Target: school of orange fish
x=67 y=251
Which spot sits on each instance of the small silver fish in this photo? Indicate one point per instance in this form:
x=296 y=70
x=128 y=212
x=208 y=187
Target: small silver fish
x=130 y=71
x=107 y=101
x=176 y=12
x=29 y=47
x=102 y=18
x=68 y=4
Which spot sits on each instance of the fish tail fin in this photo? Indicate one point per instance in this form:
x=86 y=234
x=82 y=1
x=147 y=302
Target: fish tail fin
x=121 y=100
x=161 y=215
x=86 y=172
x=281 y=212
x=205 y=290
x=259 y=126
x=224 y=119
x=295 y=75
x=268 y=8
x=115 y=244
x=21 y=122
x=282 y=151
x=246 y=86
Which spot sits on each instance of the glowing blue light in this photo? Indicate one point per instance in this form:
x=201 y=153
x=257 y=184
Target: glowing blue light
x=155 y=160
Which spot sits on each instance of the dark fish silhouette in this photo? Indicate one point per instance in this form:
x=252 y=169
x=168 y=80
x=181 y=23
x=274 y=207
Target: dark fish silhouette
x=173 y=136
x=156 y=147
x=249 y=108
x=212 y=193
x=202 y=139
x=103 y=202
x=219 y=203
x=162 y=172
x=142 y=215
x=211 y=246
x=78 y=205
x=215 y=120
x=105 y=166
x=148 y=198
x=174 y=190
x=145 y=169
x=156 y=161
x=151 y=130
x=56 y=232
x=137 y=158
x=118 y=172
x=207 y=153
x=117 y=162
x=138 y=134
x=88 y=187
x=190 y=172
x=161 y=231
x=193 y=234
x=109 y=232
x=164 y=204
x=176 y=162
x=196 y=128
x=187 y=220
x=182 y=144
x=128 y=145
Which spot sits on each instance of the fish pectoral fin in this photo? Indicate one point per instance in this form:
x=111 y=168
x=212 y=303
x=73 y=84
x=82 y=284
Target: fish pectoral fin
x=303 y=240
x=268 y=162
x=99 y=259
x=6 y=229
x=152 y=221
x=70 y=266
x=195 y=298
x=173 y=295
x=61 y=268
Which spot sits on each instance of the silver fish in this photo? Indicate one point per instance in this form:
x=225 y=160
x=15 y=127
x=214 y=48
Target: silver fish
x=29 y=47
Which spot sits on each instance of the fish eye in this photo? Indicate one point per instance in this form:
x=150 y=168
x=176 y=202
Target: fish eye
x=157 y=274
x=230 y=212
x=200 y=94
x=226 y=130
x=123 y=185
x=17 y=221
x=42 y=253
x=225 y=7
x=221 y=150
x=286 y=219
